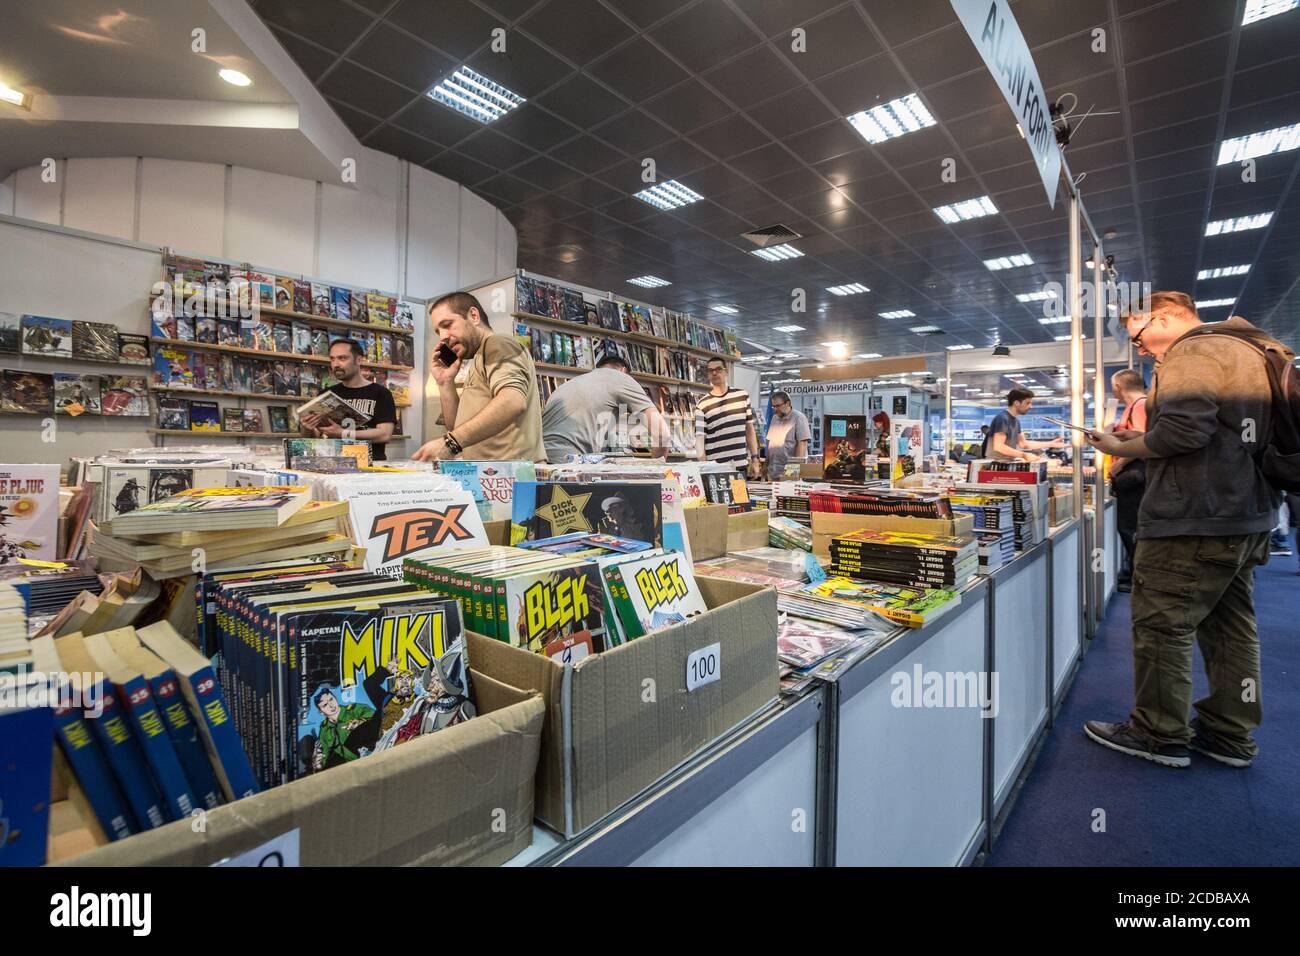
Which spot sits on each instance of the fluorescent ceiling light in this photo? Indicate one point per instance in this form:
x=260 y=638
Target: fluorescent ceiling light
x=14 y=97
x=754 y=358
x=966 y=209
x=1066 y=338
x=896 y=118
x=853 y=288
x=475 y=95
x=234 y=78
x=831 y=345
x=1222 y=272
x=1270 y=141
x=868 y=355
x=649 y=282
x=725 y=309
x=668 y=195
x=773 y=253
x=838 y=350
x=1214 y=303
x=1263 y=9
x=958 y=348
x=1008 y=262
x=1035 y=296
x=922 y=329
x=788 y=328
x=1242 y=223
x=1056 y=320
x=899 y=314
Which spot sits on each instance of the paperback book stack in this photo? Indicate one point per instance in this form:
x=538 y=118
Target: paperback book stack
x=996 y=548
x=881 y=502
x=227 y=525
x=324 y=664
x=1025 y=514
x=990 y=512
x=993 y=472
x=785 y=532
x=909 y=606
x=14 y=649
x=912 y=559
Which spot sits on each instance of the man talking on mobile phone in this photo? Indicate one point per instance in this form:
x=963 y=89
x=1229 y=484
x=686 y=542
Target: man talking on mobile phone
x=497 y=415
x=374 y=402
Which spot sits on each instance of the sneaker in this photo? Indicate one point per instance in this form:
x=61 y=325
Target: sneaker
x=1126 y=740
x=1203 y=745
x=1280 y=552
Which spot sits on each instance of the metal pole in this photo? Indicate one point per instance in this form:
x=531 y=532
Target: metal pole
x=947 y=404
x=1098 y=404
x=1076 y=395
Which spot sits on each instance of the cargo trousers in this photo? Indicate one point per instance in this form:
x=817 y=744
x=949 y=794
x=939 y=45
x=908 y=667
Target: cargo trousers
x=1202 y=588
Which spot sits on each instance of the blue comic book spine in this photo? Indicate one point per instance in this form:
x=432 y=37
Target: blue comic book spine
x=185 y=740
x=26 y=751
x=113 y=731
x=149 y=727
x=93 y=774
x=227 y=748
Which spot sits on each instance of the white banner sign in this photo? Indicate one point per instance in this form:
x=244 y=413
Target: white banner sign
x=1000 y=43
x=825 y=388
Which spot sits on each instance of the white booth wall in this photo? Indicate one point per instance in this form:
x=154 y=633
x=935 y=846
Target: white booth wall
x=401 y=229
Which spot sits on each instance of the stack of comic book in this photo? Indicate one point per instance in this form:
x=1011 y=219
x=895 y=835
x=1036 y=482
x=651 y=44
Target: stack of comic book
x=326 y=663
x=909 y=606
x=991 y=512
x=909 y=558
x=996 y=548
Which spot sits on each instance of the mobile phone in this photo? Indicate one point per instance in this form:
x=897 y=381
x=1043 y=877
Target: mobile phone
x=445 y=355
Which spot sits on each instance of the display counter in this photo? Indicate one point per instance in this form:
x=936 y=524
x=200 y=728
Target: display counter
x=866 y=771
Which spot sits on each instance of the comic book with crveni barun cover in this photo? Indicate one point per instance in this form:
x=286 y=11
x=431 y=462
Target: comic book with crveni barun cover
x=372 y=679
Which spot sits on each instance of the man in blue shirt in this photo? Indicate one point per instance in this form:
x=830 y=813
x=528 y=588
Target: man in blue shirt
x=1006 y=443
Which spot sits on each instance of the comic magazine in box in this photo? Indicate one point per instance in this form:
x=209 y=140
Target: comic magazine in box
x=370 y=679
x=29 y=513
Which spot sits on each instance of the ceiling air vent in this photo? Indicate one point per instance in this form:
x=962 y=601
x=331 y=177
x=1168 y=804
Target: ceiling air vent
x=771 y=235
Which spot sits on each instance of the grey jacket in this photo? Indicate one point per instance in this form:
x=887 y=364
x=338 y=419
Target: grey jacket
x=1202 y=479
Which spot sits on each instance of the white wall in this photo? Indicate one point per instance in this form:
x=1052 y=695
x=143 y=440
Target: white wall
x=401 y=229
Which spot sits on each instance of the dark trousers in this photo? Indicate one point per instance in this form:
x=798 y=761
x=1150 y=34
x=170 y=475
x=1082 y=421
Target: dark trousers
x=1128 y=486
x=1197 y=588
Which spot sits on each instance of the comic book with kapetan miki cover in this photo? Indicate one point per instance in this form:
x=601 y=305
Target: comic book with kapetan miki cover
x=371 y=679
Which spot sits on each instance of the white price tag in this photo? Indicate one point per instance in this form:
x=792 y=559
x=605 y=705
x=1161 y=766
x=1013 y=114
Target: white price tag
x=703 y=667
x=280 y=851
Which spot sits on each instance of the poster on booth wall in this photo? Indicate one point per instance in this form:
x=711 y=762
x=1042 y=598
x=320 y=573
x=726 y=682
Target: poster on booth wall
x=906 y=447
x=844 y=448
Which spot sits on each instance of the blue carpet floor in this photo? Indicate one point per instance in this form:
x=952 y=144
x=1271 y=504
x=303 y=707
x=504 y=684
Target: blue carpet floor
x=1203 y=815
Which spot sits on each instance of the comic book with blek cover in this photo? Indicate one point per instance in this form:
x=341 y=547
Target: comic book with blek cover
x=369 y=680
x=624 y=509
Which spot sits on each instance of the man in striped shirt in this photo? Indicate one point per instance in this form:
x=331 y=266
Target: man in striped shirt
x=724 y=424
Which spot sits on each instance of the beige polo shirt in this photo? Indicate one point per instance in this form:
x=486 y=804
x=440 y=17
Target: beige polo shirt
x=501 y=362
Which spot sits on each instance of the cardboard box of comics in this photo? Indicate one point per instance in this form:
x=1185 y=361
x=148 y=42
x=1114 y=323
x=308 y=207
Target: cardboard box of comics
x=706 y=527
x=436 y=800
x=618 y=721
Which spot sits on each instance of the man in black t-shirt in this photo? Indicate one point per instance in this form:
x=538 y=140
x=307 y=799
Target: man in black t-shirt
x=374 y=402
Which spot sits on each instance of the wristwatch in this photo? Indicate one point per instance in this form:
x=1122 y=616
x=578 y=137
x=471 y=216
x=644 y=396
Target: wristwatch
x=453 y=446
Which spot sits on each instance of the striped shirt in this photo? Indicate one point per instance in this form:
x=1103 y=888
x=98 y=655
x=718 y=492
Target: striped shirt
x=721 y=419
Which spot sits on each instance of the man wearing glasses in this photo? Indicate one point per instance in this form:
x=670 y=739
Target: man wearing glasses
x=787 y=436
x=724 y=424
x=1203 y=527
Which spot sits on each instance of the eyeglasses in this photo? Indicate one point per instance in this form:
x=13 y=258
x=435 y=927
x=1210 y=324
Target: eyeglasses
x=1137 y=339
x=717 y=368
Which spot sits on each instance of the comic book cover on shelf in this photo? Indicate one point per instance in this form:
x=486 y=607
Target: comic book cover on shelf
x=301 y=338
x=205 y=330
x=76 y=394
x=906 y=440
x=278 y=418
x=263 y=289
x=302 y=296
x=243 y=374
x=372 y=678
x=207 y=371
x=173 y=368
x=263 y=377
x=124 y=395
x=10 y=332
x=342 y=299
x=228 y=333
x=282 y=337
x=173 y=414
x=27 y=393
x=252 y=419
x=29 y=513
x=404 y=315
x=184 y=328
x=845 y=448
x=308 y=379
x=232 y=419
x=322 y=300
x=229 y=378
x=379 y=309
x=283 y=293
x=162 y=319
x=43 y=335
x=320 y=342
x=205 y=417
x=94 y=341
x=625 y=509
